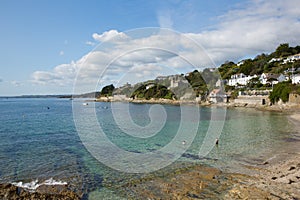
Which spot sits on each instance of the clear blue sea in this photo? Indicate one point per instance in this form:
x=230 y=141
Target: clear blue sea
x=39 y=140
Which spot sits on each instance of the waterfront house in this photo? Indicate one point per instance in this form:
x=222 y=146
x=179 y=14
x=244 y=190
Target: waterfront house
x=217 y=96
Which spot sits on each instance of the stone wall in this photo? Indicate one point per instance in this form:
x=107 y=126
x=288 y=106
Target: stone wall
x=252 y=100
x=294 y=98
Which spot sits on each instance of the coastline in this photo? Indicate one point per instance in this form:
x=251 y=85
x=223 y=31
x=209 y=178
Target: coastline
x=275 y=178
x=284 y=107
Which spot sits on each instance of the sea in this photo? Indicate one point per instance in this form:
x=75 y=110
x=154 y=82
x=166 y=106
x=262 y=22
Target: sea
x=96 y=147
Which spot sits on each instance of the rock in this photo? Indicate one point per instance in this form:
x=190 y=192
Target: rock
x=292 y=168
x=11 y=192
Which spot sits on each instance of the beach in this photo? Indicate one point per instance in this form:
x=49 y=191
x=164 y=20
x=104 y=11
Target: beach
x=278 y=177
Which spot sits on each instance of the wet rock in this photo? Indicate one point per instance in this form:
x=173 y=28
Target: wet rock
x=11 y=192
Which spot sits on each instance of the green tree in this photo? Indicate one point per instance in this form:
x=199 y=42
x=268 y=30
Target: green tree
x=107 y=90
x=247 y=67
x=283 y=50
x=281 y=91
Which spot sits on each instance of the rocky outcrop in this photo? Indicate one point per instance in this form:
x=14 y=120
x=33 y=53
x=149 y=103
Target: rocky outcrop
x=11 y=192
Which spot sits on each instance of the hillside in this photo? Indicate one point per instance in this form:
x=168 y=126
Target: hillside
x=200 y=83
x=262 y=63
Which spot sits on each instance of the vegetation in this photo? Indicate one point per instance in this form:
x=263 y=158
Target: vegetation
x=197 y=82
x=155 y=91
x=205 y=81
x=107 y=90
x=282 y=91
x=260 y=64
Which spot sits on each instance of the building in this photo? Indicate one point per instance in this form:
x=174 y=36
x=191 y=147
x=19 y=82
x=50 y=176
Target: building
x=149 y=86
x=177 y=81
x=240 y=79
x=240 y=63
x=296 y=79
x=272 y=78
x=217 y=96
x=275 y=60
x=292 y=58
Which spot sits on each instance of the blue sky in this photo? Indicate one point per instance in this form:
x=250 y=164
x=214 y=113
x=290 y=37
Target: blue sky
x=42 y=40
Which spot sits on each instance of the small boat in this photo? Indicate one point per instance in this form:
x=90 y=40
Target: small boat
x=85 y=104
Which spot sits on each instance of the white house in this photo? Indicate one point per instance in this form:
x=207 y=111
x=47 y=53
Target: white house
x=264 y=78
x=292 y=58
x=239 y=79
x=296 y=79
x=274 y=78
x=149 y=86
x=217 y=95
x=240 y=63
x=275 y=60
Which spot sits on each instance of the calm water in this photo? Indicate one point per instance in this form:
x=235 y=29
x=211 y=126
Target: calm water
x=39 y=140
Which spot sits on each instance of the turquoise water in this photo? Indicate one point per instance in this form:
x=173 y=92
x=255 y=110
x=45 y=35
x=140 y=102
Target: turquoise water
x=39 y=140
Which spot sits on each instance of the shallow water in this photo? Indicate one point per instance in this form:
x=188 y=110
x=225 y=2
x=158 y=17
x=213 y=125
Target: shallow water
x=39 y=140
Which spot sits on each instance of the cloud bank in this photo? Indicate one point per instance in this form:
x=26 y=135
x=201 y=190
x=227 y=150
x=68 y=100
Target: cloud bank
x=260 y=26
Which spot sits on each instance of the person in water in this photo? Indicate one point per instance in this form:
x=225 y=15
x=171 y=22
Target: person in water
x=217 y=141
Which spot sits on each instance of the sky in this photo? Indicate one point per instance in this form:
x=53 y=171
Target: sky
x=76 y=46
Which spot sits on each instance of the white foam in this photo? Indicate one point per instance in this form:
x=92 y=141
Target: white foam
x=33 y=185
x=51 y=181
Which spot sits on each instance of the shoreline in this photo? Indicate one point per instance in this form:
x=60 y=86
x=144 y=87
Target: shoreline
x=283 y=108
x=277 y=177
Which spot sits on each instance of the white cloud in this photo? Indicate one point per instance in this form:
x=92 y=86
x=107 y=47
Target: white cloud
x=258 y=27
x=112 y=35
x=16 y=83
x=165 y=19
x=90 y=43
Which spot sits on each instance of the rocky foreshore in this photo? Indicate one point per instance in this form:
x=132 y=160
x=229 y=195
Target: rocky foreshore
x=278 y=177
x=56 y=192
x=270 y=181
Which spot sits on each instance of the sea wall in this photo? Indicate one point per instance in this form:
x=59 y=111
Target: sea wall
x=252 y=100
